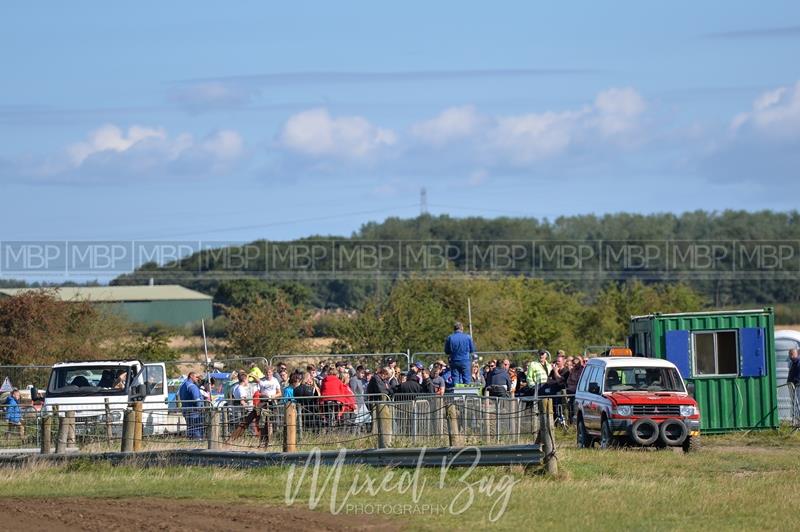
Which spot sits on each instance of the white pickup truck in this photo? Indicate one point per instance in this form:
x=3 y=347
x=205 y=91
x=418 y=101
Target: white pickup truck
x=87 y=386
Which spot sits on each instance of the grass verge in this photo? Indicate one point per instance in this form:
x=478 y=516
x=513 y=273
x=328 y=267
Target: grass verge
x=737 y=481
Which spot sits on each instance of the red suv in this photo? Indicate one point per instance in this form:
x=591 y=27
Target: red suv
x=635 y=400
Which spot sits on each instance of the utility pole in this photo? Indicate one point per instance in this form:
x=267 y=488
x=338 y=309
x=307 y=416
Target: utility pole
x=423 y=202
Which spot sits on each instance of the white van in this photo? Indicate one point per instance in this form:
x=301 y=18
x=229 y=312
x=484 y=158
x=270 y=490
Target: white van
x=86 y=386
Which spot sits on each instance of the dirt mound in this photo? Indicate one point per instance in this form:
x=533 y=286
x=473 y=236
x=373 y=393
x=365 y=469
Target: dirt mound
x=79 y=514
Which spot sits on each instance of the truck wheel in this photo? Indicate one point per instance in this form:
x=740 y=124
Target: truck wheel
x=644 y=432
x=691 y=444
x=583 y=439
x=673 y=432
x=606 y=436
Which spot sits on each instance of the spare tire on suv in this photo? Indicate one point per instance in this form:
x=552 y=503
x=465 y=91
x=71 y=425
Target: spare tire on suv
x=644 y=431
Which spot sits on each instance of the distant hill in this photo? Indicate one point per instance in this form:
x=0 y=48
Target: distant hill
x=743 y=246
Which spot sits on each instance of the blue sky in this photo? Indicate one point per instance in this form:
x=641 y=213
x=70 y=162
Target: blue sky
x=244 y=120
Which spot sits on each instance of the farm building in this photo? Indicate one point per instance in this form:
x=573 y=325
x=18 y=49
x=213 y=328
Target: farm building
x=726 y=357
x=151 y=304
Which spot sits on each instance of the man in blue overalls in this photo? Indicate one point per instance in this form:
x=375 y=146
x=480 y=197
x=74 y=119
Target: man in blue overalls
x=191 y=401
x=14 y=414
x=460 y=348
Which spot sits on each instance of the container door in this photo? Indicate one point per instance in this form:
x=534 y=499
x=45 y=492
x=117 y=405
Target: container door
x=678 y=351
x=751 y=352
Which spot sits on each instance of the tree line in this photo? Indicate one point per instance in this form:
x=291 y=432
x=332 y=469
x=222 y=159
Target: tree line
x=417 y=314
x=201 y=271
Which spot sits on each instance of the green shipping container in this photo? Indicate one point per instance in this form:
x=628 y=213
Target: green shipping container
x=727 y=357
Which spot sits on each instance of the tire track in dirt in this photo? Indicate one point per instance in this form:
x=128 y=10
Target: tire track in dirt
x=102 y=514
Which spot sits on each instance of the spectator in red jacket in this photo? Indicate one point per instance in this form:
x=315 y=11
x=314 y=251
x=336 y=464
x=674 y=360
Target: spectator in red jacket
x=333 y=389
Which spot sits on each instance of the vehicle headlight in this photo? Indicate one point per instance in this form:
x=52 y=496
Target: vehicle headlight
x=624 y=410
x=688 y=410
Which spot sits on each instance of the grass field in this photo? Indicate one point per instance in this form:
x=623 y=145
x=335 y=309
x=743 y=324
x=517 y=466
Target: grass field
x=747 y=481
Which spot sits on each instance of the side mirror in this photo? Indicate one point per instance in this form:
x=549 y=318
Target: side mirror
x=594 y=388
x=138 y=391
x=690 y=387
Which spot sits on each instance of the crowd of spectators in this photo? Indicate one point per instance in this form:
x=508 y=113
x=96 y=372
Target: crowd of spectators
x=347 y=390
x=340 y=389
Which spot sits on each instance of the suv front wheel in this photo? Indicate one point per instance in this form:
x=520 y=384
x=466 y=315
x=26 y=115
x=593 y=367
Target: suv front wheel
x=606 y=436
x=691 y=444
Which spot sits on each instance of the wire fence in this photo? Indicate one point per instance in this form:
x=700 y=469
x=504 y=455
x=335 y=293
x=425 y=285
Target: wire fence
x=794 y=397
x=519 y=355
x=300 y=423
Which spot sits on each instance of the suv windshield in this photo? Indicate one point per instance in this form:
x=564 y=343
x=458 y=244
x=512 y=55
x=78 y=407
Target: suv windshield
x=643 y=379
x=89 y=380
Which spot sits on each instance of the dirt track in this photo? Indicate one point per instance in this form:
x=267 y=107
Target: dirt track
x=79 y=514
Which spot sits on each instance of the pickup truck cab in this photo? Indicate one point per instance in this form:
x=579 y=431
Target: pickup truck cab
x=635 y=400
x=99 y=391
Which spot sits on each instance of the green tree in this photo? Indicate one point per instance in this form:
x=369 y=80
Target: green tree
x=548 y=317
x=152 y=346
x=243 y=292
x=606 y=322
x=267 y=327
x=37 y=327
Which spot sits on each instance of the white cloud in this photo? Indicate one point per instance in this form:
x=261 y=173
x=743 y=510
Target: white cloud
x=617 y=111
x=762 y=145
x=112 y=138
x=524 y=139
x=459 y=139
x=533 y=136
x=317 y=134
x=110 y=153
x=774 y=113
x=224 y=145
x=451 y=124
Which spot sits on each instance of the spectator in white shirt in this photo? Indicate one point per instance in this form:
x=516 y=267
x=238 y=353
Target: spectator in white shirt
x=269 y=386
x=242 y=394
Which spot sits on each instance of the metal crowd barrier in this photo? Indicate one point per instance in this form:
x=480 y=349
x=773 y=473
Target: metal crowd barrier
x=324 y=422
x=794 y=396
x=429 y=357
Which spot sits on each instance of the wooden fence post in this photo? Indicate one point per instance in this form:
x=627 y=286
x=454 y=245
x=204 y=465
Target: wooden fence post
x=267 y=435
x=45 y=428
x=453 y=432
x=225 y=428
x=128 y=422
x=137 y=427
x=385 y=425
x=61 y=435
x=213 y=429
x=66 y=425
x=70 y=427
x=440 y=414
x=546 y=437
x=290 y=428
x=109 y=433
x=534 y=415
x=486 y=404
